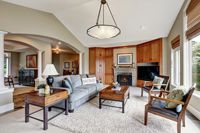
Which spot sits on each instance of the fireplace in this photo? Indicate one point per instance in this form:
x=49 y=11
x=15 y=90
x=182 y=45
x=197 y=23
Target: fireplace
x=124 y=79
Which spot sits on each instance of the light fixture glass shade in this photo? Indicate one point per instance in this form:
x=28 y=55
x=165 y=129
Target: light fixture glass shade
x=50 y=70
x=103 y=31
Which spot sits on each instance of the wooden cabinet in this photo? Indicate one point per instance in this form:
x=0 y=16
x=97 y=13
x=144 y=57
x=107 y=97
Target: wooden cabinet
x=156 y=49
x=101 y=64
x=97 y=63
x=109 y=75
x=150 y=52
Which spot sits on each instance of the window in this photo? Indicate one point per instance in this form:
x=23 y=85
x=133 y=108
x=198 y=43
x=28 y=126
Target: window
x=6 y=64
x=175 y=68
x=195 y=44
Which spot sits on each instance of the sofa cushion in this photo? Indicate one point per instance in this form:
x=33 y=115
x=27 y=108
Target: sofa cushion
x=84 y=76
x=58 y=80
x=77 y=95
x=75 y=80
x=66 y=83
x=90 y=87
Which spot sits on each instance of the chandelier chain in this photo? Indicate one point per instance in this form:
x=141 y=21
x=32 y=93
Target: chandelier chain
x=111 y=14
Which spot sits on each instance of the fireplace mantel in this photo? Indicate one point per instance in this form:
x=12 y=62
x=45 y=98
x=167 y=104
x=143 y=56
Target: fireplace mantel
x=126 y=70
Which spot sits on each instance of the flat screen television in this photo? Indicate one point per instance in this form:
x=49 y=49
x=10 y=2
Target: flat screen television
x=147 y=72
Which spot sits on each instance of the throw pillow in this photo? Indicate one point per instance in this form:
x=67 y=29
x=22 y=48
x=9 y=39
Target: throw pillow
x=66 y=83
x=178 y=108
x=176 y=94
x=158 y=81
x=89 y=81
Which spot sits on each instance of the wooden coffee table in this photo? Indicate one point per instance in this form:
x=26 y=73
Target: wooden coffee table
x=113 y=95
x=45 y=102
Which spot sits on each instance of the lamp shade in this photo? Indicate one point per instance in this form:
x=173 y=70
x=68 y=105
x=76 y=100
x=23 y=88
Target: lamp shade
x=50 y=70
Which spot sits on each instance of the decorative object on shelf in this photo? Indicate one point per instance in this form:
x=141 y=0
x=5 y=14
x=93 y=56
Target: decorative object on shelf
x=41 y=89
x=116 y=86
x=124 y=59
x=102 y=30
x=66 y=65
x=50 y=71
x=31 y=61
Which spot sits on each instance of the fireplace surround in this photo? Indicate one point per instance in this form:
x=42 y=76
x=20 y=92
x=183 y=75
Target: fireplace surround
x=126 y=73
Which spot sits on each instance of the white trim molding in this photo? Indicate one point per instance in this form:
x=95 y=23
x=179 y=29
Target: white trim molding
x=194 y=111
x=6 y=108
x=6 y=90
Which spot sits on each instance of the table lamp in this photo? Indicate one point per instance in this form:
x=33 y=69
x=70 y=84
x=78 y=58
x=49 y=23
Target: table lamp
x=50 y=71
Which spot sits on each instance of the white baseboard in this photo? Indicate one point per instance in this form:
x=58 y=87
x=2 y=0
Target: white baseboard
x=194 y=111
x=6 y=108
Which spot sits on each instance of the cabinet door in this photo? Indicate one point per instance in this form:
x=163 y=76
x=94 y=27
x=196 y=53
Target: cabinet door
x=109 y=66
x=100 y=64
x=155 y=51
x=140 y=53
x=146 y=52
x=92 y=61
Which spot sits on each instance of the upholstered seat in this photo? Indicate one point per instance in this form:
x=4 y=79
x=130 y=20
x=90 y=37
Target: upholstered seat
x=159 y=107
x=156 y=105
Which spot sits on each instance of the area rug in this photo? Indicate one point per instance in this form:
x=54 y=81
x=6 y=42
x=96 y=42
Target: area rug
x=90 y=119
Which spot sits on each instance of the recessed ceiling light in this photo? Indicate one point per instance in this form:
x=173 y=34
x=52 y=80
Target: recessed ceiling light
x=142 y=27
x=59 y=43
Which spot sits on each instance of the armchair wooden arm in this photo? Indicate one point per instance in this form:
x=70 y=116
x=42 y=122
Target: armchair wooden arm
x=165 y=99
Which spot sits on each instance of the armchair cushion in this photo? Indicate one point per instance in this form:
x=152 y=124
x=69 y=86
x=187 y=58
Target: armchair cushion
x=176 y=94
x=158 y=81
x=158 y=106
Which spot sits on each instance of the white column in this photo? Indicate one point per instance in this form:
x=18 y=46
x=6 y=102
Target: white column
x=39 y=80
x=2 y=60
x=6 y=93
x=39 y=64
x=80 y=63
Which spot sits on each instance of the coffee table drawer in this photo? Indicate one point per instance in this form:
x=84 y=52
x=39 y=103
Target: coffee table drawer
x=112 y=97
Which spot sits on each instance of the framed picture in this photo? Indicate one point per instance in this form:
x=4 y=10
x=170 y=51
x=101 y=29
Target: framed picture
x=31 y=61
x=124 y=59
x=67 y=65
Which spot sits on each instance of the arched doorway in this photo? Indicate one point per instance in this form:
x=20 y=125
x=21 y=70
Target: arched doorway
x=65 y=57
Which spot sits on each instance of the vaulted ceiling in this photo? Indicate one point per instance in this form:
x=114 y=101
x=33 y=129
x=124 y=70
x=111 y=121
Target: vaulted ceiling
x=139 y=20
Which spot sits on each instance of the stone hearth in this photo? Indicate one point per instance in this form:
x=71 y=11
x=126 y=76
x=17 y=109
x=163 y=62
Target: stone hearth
x=128 y=71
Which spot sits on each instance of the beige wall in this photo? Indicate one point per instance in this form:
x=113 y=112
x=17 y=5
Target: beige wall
x=59 y=59
x=166 y=56
x=124 y=50
x=15 y=63
x=18 y=19
x=22 y=57
x=177 y=29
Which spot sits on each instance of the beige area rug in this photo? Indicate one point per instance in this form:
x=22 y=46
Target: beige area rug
x=90 y=119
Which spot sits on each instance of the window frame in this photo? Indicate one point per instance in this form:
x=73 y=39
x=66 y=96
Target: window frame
x=175 y=69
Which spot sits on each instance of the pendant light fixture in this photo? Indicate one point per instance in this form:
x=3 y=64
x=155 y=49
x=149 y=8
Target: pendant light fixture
x=102 y=30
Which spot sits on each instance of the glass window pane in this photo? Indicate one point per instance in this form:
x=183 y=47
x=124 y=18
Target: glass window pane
x=196 y=61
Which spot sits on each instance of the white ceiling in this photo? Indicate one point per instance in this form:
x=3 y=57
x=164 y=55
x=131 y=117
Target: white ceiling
x=139 y=20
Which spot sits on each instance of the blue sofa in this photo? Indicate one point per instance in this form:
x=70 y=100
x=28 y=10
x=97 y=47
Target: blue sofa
x=79 y=93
